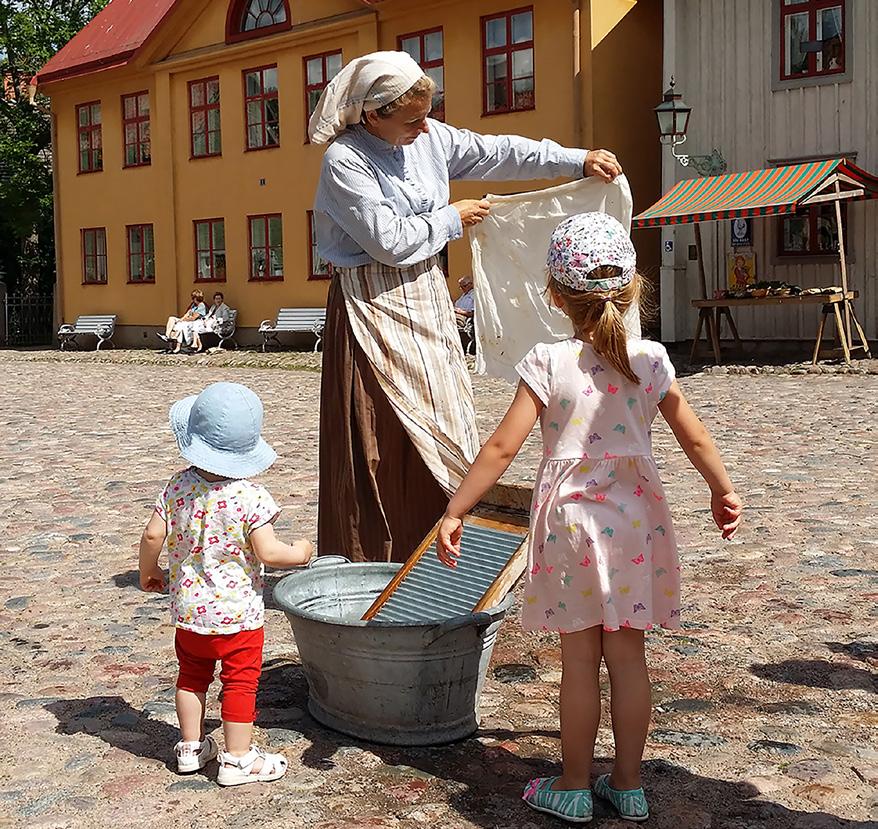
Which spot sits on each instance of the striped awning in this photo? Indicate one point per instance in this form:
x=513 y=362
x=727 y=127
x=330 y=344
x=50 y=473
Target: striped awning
x=771 y=192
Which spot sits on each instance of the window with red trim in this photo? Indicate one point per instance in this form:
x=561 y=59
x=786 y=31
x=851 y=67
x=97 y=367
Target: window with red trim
x=266 y=247
x=135 y=128
x=94 y=255
x=261 y=108
x=88 y=126
x=508 y=61
x=428 y=49
x=204 y=117
x=210 y=250
x=256 y=18
x=319 y=71
x=141 y=253
x=812 y=231
x=812 y=38
x=318 y=267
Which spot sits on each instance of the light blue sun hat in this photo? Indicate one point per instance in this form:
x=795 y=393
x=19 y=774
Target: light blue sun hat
x=219 y=431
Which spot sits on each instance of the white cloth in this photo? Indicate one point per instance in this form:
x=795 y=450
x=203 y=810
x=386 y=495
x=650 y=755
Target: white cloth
x=509 y=248
x=366 y=83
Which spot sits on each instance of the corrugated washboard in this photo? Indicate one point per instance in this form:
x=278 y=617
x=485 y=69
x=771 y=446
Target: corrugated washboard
x=493 y=557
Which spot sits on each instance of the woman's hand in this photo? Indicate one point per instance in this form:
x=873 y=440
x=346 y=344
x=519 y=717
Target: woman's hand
x=448 y=540
x=726 y=509
x=152 y=579
x=472 y=211
x=603 y=164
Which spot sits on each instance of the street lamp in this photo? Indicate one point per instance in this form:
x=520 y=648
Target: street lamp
x=673 y=121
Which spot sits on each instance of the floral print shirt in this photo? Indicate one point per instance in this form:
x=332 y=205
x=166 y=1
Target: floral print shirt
x=216 y=581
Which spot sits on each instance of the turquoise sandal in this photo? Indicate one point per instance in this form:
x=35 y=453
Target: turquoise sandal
x=573 y=805
x=630 y=804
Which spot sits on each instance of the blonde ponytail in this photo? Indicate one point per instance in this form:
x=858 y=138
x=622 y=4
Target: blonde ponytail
x=599 y=316
x=609 y=338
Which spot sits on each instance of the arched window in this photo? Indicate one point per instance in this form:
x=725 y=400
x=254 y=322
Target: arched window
x=255 y=18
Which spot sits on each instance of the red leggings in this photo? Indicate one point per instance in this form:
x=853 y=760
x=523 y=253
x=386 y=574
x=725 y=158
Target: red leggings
x=241 y=656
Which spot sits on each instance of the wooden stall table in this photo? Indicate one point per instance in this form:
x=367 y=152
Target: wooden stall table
x=757 y=194
x=712 y=311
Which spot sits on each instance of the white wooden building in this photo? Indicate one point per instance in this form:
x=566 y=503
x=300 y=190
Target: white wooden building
x=772 y=82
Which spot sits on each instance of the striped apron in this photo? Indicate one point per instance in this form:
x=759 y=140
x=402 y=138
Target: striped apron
x=397 y=418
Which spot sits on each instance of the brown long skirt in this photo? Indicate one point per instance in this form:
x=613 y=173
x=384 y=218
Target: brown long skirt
x=378 y=499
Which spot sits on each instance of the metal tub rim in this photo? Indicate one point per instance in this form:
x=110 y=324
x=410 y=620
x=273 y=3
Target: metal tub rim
x=320 y=568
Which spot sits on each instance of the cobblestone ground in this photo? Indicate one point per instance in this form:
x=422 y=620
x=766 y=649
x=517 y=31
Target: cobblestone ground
x=765 y=703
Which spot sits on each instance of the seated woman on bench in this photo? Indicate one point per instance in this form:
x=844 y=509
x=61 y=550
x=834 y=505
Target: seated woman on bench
x=177 y=329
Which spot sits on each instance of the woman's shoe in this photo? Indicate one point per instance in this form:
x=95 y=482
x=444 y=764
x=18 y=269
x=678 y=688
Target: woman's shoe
x=194 y=755
x=573 y=805
x=630 y=804
x=234 y=771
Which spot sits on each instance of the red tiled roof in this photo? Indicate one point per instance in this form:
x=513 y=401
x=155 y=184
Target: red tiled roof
x=112 y=38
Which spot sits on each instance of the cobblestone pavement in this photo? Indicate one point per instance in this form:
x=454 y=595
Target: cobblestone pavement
x=765 y=703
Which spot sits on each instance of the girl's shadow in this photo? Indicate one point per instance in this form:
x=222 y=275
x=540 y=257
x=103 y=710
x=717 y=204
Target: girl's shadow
x=113 y=720
x=485 y=782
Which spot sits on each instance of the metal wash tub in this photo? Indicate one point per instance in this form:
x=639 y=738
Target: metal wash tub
x=396 y=683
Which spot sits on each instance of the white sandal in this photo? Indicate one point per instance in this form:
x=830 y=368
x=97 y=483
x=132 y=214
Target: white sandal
x=195 y=754
x=233 y=771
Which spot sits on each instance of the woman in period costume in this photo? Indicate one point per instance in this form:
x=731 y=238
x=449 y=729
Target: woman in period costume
x=397 y=419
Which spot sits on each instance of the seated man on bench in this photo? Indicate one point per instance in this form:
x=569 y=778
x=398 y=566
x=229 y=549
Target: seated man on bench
x=211 y=323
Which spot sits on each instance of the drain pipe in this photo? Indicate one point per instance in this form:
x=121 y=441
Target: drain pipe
x=577 y=69
x=673 y=292
x=583 y=127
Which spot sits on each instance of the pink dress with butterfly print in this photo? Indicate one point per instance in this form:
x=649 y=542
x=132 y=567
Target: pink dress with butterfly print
x=602 y=548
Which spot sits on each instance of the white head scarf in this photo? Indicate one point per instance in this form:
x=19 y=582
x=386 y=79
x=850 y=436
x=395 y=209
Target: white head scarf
x=366 y=83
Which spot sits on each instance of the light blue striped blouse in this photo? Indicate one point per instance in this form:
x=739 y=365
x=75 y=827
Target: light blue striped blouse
x=390 y=204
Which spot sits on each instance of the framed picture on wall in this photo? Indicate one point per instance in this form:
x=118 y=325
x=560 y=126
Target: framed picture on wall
x=741 y=270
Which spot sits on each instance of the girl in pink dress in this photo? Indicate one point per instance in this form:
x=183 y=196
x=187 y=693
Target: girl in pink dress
x=603 y=564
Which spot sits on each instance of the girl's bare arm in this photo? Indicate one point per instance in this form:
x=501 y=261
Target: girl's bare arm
x=152 y=577
x=270 y=550
x=492 y=461
x=695 y=440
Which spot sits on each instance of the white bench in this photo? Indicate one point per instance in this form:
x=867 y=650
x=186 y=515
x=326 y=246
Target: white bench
x=293 y=321
x=468 y=335
x=225 y=331
x=102 y=326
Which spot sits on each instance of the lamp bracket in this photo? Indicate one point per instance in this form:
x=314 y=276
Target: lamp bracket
x=712 y=164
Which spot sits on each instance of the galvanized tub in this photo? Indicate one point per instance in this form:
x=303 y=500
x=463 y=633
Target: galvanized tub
x=393 y=683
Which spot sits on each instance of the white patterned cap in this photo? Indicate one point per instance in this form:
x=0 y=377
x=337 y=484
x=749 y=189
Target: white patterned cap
x=585 y=242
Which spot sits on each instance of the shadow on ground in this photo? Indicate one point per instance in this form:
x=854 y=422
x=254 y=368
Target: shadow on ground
x=485 y=781
x=482 y=783
x=113 y=720
x=818 y=673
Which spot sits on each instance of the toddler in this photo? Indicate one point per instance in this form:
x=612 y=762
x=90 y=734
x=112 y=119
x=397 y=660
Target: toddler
x=220 y=533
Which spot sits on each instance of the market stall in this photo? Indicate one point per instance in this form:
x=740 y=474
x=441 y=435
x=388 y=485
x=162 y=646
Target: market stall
x=753 y=194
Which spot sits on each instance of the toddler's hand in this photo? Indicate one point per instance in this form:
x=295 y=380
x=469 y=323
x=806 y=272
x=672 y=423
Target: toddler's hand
x=448 y=540
x=153 y=580
x=726 y=509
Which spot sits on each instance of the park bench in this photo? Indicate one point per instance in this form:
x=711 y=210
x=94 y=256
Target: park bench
x=101 y=326
x=225 y=332
x=294 y=321
x=468 y=336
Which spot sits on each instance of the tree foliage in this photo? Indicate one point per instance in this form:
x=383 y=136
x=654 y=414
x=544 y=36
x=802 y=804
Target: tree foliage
x=31 y=31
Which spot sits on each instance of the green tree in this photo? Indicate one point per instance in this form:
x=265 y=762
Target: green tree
x=31 y=31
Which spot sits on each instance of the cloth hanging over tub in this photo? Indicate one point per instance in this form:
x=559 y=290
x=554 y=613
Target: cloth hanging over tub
x=509 y=268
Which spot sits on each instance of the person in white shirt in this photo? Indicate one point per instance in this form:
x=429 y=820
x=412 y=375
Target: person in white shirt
x=465 y=306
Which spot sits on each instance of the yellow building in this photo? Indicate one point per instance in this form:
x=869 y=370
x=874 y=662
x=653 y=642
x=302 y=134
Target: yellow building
x=180 y=148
